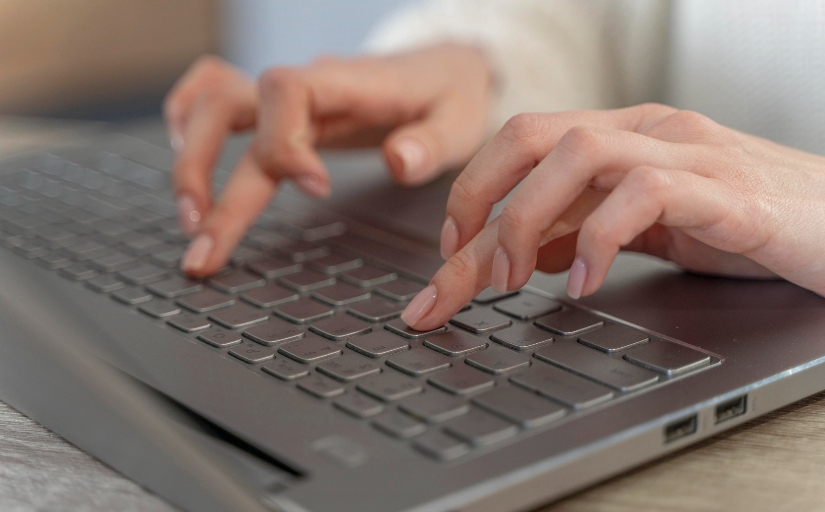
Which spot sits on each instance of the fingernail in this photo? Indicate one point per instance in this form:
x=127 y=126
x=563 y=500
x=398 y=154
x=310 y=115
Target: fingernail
x=176 y=141
x=313 y=185
x=575 y=280
x=420 y=306
x=449 y=238
x=195 y=257
x=188 y=215
x=413 y=155
x=501 y=271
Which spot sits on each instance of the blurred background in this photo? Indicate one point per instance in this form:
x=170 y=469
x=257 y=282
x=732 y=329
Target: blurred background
x=114 y=60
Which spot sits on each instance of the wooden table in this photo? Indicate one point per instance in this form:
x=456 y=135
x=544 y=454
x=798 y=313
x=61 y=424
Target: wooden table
x=773 y=463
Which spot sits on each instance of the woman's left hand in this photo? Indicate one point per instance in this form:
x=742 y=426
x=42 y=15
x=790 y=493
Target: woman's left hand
x=649 y=178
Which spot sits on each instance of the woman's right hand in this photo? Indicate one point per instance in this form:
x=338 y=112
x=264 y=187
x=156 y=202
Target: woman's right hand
x=427 y=109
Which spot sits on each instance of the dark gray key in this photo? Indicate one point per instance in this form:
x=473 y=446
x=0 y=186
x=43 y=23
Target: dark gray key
x=105 y=284
x=310 y=350
x=243 y=255
x=264 y=239
x=454 y=343
x=272 y=267
x=398 y=424
x=377 y=309
x=522 y=337
x=400 y=289
x=390 y=386
x=132 y=295
x=320 y=386
x=314 y=225
x=378 y=344
x=614 y=338
x=419 y=361
x=341 y=294
x=433 y=406
x=368 y=276
x=335 y=264
x=285 y=369
x=563 y=386
x=237 y=281
x=274 y=331
x=31 y=249
x=527 y=306
x=300 y=250
x=585 y=361
x=160 y=308
x=55 y=260
x=303 y=311
x=87 y=250
x=168 y=258
x=349 y=367
x=489 y=295
x=206 y=300
x=175 y=287
x=480 y=428
x=252 y=353
x=569 y=322
x=527 y=409
x=498 y=360
x=359 y=405
x=440 y=446
x=480 y=320
x=239 y=315
x=307 y=280
x=55 y=235
x=143 y=274
x=400 y=328
x=220 y=338
x=340 y=327
x=270 y=295
x=187 y=322
x=462 y=380
x=141 y=244
x=667 y=357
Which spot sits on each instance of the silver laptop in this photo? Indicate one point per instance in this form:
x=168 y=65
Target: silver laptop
x=287 y=382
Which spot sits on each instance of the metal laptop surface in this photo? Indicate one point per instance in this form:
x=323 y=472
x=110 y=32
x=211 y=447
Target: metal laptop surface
x=288 y=383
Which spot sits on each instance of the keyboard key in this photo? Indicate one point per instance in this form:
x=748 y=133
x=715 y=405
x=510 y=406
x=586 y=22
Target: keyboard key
x=563 y=386
x=433 y=406
x=169 y=258
x=585 y=361
x=349 y=367
x=239 y=315
x=390 y=386
x=303 y=311
x=175 y=286
x=340 y=327
x=400 y=425
x=522 y=337
x=252 y=353
x=462 y=380
x=55 y=260
x=264 y=239
x=143 y=274
x=160 y=308
x=270 y=295
x=341 y=294
x=376 y=309
x=132 y=295
x=498 y=360
x=320 y=386
x=206 y=300
x=105 y=284
x=220 y=338
x=335 y=264
x=569 y=322
x=87 y=250
x=359 y=405
x=31 y=249
x=300 y=250
x=236 y=281
x=401 y=289
x=667 y=357
x=274 y=331
x=419 y=361
x=614 y=338
x=489 y=295
x=310 y=350
x=400 y=328
x=440 y=446
x=378 y=344
x=243 y=255
x=187 y=322
x=272 y=266
x=141 y=244
x=527 y=409
x=368 y=276
x=480 y=320
x=307 y=280
x=314 y=225
x=480 y=428
x=285 y=369
x=527 y=306
x=454 y=343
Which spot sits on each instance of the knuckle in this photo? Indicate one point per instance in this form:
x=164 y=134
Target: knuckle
x=513 y=219
x=209 y=68
x=461 y=267
x=654 y=109
x=693 y=121
x=278 y=79
x=580 y=141
x=596 y=230
x=647 y=181
x=464 y=189
x=524 y=127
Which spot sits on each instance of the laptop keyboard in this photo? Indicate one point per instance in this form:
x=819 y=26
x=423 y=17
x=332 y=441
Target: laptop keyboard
x=308 y=312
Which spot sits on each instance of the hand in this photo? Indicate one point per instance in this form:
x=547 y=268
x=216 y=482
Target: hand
x=427 y=108
x=649 y=178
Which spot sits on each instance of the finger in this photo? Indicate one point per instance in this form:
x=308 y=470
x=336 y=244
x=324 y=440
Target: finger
x=514 y=151
x=245 y=195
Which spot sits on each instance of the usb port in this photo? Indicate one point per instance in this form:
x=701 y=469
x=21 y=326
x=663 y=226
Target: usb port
x=680 y=429
x=731 y=409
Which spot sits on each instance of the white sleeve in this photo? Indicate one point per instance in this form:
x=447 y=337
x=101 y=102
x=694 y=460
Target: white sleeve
x=548 y=55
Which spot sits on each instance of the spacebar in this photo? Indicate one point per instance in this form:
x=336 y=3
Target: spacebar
x=416 y=265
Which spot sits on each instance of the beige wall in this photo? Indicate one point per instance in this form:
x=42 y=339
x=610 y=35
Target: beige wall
x=63 y=54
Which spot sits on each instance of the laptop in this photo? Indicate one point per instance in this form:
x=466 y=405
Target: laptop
x=287 y=382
